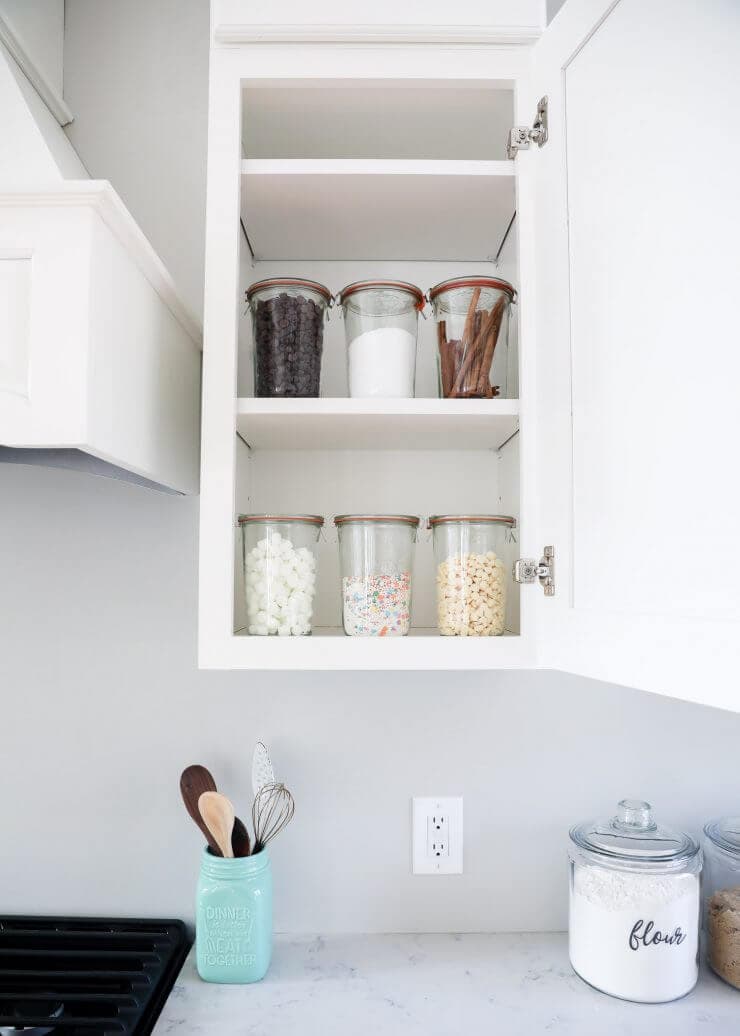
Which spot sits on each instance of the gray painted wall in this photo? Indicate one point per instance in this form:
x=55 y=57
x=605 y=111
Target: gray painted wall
x=136 y=79
x=102 y=704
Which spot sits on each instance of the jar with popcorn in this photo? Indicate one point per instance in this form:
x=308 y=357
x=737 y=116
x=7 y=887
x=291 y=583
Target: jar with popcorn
x=279 y=561
x=376 y=556
x=472 y=573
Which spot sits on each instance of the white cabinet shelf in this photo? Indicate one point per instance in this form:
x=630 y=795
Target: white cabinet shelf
x=376 y=424
x=322 y=209
x=328 y=648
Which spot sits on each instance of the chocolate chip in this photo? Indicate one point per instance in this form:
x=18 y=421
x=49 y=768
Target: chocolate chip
x=288 y=339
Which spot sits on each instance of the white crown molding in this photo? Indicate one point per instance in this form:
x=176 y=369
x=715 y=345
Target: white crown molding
x=100 y=196
x=16 y=48
x=256 y=32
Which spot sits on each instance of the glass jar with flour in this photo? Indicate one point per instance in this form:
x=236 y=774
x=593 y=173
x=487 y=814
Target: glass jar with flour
x=381 y=323
x=634 y=906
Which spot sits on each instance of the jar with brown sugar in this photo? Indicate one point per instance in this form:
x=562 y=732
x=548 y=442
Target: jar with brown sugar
x=722 y=897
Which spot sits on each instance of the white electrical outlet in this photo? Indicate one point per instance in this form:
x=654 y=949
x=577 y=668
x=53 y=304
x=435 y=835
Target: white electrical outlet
x=437 y=836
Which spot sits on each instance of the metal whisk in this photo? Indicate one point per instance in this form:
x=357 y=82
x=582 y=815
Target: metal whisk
x=272 y=809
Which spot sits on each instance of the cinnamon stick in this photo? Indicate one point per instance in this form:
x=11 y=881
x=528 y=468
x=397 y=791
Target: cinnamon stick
x=471 y=355
x=467 y=334
x=478 y=346
x=446 y=359
x=494 y=328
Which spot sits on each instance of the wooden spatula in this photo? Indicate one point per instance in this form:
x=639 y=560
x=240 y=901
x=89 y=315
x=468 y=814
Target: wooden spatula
x=193 y=782
x=218 y=816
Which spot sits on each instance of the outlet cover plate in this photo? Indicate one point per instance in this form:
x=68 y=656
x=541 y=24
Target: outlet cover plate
x=424 y=860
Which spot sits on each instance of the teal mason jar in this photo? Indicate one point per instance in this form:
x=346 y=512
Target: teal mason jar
x=233 y=918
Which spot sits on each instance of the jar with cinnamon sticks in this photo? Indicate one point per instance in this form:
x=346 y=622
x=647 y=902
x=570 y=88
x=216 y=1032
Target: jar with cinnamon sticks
x=472 y=315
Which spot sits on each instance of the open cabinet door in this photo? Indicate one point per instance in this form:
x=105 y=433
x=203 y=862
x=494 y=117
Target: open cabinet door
x=637 y=317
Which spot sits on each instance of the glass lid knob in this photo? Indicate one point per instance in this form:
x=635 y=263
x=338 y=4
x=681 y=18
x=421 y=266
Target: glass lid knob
x=635 y=815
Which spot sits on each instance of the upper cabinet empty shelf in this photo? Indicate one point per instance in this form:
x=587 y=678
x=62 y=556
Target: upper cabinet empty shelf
x=380 y=119
x=376 y=170
x=376 y=209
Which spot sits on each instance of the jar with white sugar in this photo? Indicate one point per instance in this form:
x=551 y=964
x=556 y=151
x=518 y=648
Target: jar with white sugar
x=634 y=906
x=381 y=323
x=279 y=568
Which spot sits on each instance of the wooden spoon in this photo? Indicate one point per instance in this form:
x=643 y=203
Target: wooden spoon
x=218 y=815
x=193 y=782
x=240 y=839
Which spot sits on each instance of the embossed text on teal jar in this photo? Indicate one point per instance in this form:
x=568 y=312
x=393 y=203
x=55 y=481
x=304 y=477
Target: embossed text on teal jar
x=233 y=918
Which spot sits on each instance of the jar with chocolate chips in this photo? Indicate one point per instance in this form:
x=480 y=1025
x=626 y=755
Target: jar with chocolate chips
x=288 y=336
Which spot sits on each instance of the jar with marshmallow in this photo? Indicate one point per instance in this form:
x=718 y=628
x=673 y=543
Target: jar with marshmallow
x=279 y=564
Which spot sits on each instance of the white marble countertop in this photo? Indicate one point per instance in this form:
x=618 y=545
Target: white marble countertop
x=435 y=985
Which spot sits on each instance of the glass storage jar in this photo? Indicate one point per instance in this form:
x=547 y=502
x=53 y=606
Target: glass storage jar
x=279 y=566
x=472 y=575
x=233 y=918
x=722 y=897
x=376 y=554
x=472 y=315
x=634 y=906
x=381 y=324
x=288 y=336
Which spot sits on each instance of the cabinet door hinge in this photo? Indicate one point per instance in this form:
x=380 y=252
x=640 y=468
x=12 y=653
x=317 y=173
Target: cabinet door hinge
x=527 y=570
x=520 y=137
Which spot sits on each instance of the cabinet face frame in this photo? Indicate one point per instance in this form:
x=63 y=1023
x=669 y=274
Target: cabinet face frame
x=231 y=68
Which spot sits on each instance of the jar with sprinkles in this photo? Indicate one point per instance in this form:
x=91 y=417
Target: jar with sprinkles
x=376 y=555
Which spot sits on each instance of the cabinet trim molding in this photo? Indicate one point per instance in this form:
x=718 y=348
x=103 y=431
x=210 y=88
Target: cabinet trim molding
x=100 y=196
x=301 y=32
x=17 y=50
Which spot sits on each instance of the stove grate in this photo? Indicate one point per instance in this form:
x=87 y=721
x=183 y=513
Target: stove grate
x=87 y=976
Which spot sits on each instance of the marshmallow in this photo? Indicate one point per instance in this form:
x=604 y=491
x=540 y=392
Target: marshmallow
x=280 y=583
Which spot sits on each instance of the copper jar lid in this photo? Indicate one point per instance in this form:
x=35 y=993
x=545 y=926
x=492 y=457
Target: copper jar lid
x=416 y=293
x=288 y=282
x=309 y=519
x=473 y=519
x=472 y=282
x=407 y=519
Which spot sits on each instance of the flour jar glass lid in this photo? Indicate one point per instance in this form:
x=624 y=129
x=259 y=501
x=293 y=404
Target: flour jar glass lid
x=633 y=836
x=725 y=833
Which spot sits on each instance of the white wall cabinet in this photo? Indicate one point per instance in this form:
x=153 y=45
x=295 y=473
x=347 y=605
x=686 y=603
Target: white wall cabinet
x=99 y=360
x=347 y=156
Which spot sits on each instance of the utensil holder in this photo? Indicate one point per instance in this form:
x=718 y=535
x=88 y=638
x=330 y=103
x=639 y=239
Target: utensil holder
x=233 y=918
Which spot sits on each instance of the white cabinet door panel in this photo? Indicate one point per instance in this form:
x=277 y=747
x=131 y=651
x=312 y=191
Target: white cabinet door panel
x=15 y=323
x=638 y=221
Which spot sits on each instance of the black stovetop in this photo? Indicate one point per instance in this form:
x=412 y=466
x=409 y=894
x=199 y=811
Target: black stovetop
x=87 y=976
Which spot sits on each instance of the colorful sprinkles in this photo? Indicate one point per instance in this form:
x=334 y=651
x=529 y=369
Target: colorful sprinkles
x=377 y=605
